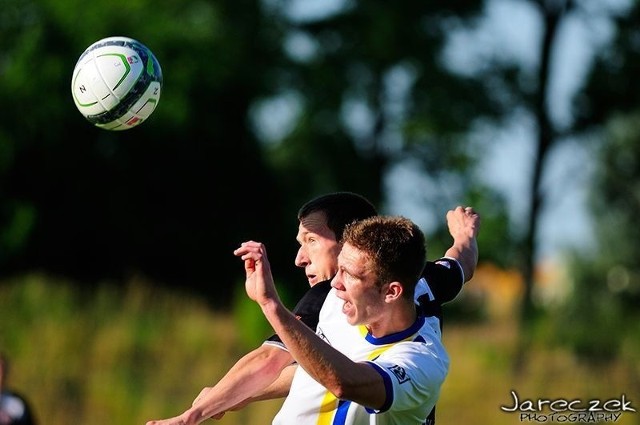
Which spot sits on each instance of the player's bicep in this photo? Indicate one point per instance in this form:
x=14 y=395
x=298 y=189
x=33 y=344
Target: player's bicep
x=445 y=279
x=411 y=380
x=363 y=384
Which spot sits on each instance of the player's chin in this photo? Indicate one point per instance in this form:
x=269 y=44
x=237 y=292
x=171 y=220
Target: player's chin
x=353 y=320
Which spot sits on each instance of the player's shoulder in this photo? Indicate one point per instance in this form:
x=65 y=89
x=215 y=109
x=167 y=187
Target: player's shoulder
x=444 y=273
x=443 y=265
x=315 y=295
x=320 y=289
x=425 y=347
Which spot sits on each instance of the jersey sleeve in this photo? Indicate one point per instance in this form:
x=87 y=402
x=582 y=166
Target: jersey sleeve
x=413 y=375
x=307 y=309
x=445 y=279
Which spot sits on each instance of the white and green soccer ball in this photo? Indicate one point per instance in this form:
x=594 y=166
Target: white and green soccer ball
x=116 y=83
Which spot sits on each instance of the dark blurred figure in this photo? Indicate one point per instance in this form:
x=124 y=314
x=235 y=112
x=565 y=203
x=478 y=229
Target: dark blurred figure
x=14 y=409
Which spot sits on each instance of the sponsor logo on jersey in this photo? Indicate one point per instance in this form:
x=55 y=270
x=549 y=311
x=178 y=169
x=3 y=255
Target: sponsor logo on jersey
x=399 y=373
x=444 y=263
x=322 y=335
x=423 y=288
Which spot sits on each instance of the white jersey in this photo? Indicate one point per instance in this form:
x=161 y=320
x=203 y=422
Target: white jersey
x=334 y=328
x=413 y=364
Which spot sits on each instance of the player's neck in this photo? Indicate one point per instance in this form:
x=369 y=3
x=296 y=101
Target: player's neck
x=393 y=321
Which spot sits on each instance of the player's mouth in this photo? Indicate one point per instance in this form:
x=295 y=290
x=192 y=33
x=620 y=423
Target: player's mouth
x=347 y=307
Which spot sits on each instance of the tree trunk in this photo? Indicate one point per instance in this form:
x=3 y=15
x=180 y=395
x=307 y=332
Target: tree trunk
x=552 y=17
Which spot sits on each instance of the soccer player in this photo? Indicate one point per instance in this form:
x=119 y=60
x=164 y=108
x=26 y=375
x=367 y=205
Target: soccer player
x=321 y=224
x=392 y=372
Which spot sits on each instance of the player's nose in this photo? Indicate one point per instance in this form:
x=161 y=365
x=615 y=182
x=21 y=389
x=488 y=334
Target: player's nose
x=302 y=260
x=336 y=282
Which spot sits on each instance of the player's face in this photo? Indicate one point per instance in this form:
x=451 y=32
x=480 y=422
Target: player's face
x=318 y=252
x=355 y=283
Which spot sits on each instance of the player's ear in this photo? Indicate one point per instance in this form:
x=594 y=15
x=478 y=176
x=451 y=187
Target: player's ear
x=393 y=292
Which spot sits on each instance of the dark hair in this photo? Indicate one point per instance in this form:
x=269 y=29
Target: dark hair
x=340 y=209
x=395 y=244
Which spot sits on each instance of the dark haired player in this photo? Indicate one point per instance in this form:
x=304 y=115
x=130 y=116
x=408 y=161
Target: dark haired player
x=263 y=373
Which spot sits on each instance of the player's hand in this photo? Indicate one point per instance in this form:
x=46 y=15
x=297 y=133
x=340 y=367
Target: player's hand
x=259 y=284
x=464 y=225
x=463 y=222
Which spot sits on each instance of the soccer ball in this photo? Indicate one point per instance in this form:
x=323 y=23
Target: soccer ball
x=116 y=83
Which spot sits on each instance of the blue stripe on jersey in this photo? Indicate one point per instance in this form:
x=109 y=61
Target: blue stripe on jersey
x=340 y=417
x=388 y=389
x=398 y=336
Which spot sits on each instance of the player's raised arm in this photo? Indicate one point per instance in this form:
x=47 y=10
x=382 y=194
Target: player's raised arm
x=464 y=225
x=331 y=368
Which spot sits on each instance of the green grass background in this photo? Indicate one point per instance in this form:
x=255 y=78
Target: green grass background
x=112 y=356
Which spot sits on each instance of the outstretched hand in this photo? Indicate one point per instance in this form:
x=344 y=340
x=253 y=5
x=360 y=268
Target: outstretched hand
x=464 y=225
x=463 y=222
x=259 y=284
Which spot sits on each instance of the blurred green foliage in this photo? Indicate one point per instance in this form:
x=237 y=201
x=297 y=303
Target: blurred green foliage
x=261 y=109
x=601 y=318
x=162 y=200
x=127 y=354
x=172 y=198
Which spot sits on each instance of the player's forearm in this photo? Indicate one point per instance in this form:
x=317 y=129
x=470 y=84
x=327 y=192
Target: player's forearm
x=466 y=252
x=278 y=388
x=332 y=369
x=247 y=378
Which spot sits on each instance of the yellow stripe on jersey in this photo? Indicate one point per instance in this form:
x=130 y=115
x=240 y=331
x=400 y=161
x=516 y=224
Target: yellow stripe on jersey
x=363 y=330
x=327 y=409
x=330 y=402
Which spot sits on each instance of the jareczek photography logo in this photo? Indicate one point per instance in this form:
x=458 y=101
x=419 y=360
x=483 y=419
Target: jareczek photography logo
x=568 y=410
